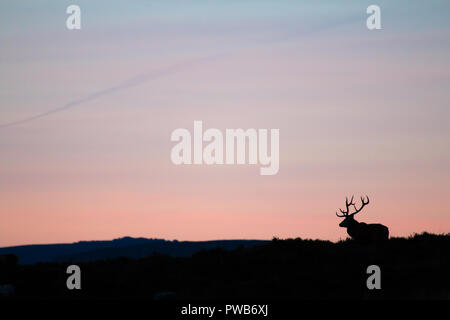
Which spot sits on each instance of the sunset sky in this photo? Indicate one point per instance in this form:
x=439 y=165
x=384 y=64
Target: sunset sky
x=86 y=117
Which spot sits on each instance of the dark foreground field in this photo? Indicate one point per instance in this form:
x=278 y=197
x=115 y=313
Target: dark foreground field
x=417 y=267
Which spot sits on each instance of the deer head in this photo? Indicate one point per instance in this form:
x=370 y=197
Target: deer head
x=349 y=217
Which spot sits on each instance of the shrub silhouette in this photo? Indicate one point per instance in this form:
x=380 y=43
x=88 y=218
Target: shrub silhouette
x=414 y=267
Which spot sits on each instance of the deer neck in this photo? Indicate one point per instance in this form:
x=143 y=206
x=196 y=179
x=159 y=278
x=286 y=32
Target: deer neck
x=352 y=229
x=353 y=224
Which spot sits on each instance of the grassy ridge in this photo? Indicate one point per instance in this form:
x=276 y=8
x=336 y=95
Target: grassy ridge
x=416 y=267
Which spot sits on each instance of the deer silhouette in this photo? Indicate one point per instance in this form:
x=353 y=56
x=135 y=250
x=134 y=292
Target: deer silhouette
x=360 y=231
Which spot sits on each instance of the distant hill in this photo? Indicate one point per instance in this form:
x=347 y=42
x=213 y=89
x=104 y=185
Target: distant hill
x=411 y=268
x=128 y=247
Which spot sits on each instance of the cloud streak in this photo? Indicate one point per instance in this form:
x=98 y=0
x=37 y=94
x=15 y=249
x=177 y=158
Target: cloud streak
x=145 y=77
x=132 y=82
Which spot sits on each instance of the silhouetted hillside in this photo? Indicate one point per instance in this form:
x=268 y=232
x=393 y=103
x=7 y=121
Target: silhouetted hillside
x=416 y=267
x=123 y=247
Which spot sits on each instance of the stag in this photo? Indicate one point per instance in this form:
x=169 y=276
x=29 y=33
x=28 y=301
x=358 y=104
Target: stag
x=360 y=231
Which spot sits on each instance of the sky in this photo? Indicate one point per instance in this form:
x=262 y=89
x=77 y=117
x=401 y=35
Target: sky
x=86 y=117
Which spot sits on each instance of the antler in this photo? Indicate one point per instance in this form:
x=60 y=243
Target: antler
x=348 y=204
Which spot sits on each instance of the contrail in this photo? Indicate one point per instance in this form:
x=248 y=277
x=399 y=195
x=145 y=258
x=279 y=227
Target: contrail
x=132 y=82
x=147 y=76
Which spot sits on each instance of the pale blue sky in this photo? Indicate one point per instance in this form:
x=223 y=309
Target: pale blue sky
x=358 y=111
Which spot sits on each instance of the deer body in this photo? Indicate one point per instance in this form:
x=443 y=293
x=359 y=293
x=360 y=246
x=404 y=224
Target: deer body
x=360 y=231
x=367 y=233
